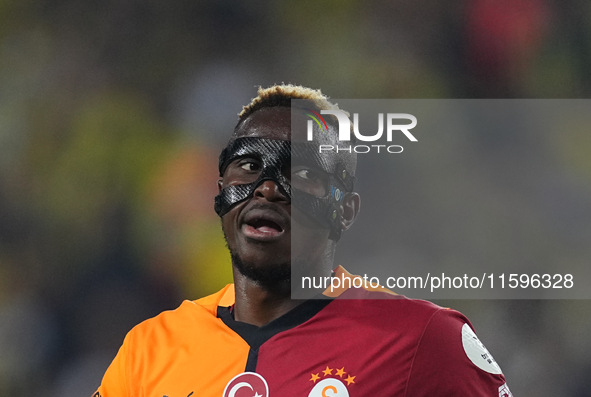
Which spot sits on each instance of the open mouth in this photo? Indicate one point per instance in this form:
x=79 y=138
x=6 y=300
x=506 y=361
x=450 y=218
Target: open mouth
x=262 y=225
x=265 y=226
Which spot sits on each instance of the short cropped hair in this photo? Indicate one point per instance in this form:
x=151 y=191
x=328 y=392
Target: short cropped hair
x=281 y=95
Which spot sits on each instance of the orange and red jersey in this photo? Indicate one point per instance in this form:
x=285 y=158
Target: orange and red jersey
x=392 y=346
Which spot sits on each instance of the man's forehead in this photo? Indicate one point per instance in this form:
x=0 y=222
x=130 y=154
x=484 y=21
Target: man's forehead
x=271 y=123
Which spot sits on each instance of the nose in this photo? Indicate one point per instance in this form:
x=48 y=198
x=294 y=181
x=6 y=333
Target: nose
x=270 y=191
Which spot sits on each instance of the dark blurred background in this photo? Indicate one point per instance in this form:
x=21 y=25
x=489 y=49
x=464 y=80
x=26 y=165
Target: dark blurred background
x=112 y=114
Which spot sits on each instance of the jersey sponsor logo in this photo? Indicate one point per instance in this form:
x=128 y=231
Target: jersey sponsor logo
x=477 y=353
x=504 y=391
x=330 y=382
x=247 y=384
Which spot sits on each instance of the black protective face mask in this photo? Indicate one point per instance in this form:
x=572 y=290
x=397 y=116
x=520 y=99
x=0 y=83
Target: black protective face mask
x=274 y=157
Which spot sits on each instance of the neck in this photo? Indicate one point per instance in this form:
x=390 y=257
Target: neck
x=259 y=305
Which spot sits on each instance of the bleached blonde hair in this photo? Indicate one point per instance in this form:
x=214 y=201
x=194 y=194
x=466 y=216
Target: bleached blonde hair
x=281 y=95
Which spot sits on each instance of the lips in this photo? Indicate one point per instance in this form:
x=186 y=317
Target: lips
x=264 y=224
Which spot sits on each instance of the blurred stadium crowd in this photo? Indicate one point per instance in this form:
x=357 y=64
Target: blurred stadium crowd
x=112 y=115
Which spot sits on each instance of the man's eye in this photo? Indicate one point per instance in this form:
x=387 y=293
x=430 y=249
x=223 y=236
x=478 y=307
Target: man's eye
x=309 y=180
x=249 y=165
x=304 y=174
x=307 y=174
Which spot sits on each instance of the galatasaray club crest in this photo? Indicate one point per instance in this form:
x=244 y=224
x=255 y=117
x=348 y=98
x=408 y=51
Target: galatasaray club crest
x=247 y=384
x=330 y=382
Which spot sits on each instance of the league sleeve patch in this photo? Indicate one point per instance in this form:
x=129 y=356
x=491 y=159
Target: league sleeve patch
x=504 y=391
x=477 y=353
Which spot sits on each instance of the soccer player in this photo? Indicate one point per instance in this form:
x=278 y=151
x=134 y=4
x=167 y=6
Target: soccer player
x=251 y=338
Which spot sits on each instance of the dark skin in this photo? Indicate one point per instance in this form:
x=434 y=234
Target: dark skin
x=259 y=229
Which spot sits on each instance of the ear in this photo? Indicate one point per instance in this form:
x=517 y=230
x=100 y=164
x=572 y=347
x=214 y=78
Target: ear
x=350 y=206
x=220 y=184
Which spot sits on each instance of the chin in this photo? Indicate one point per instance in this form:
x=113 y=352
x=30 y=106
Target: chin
x=271 y=275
